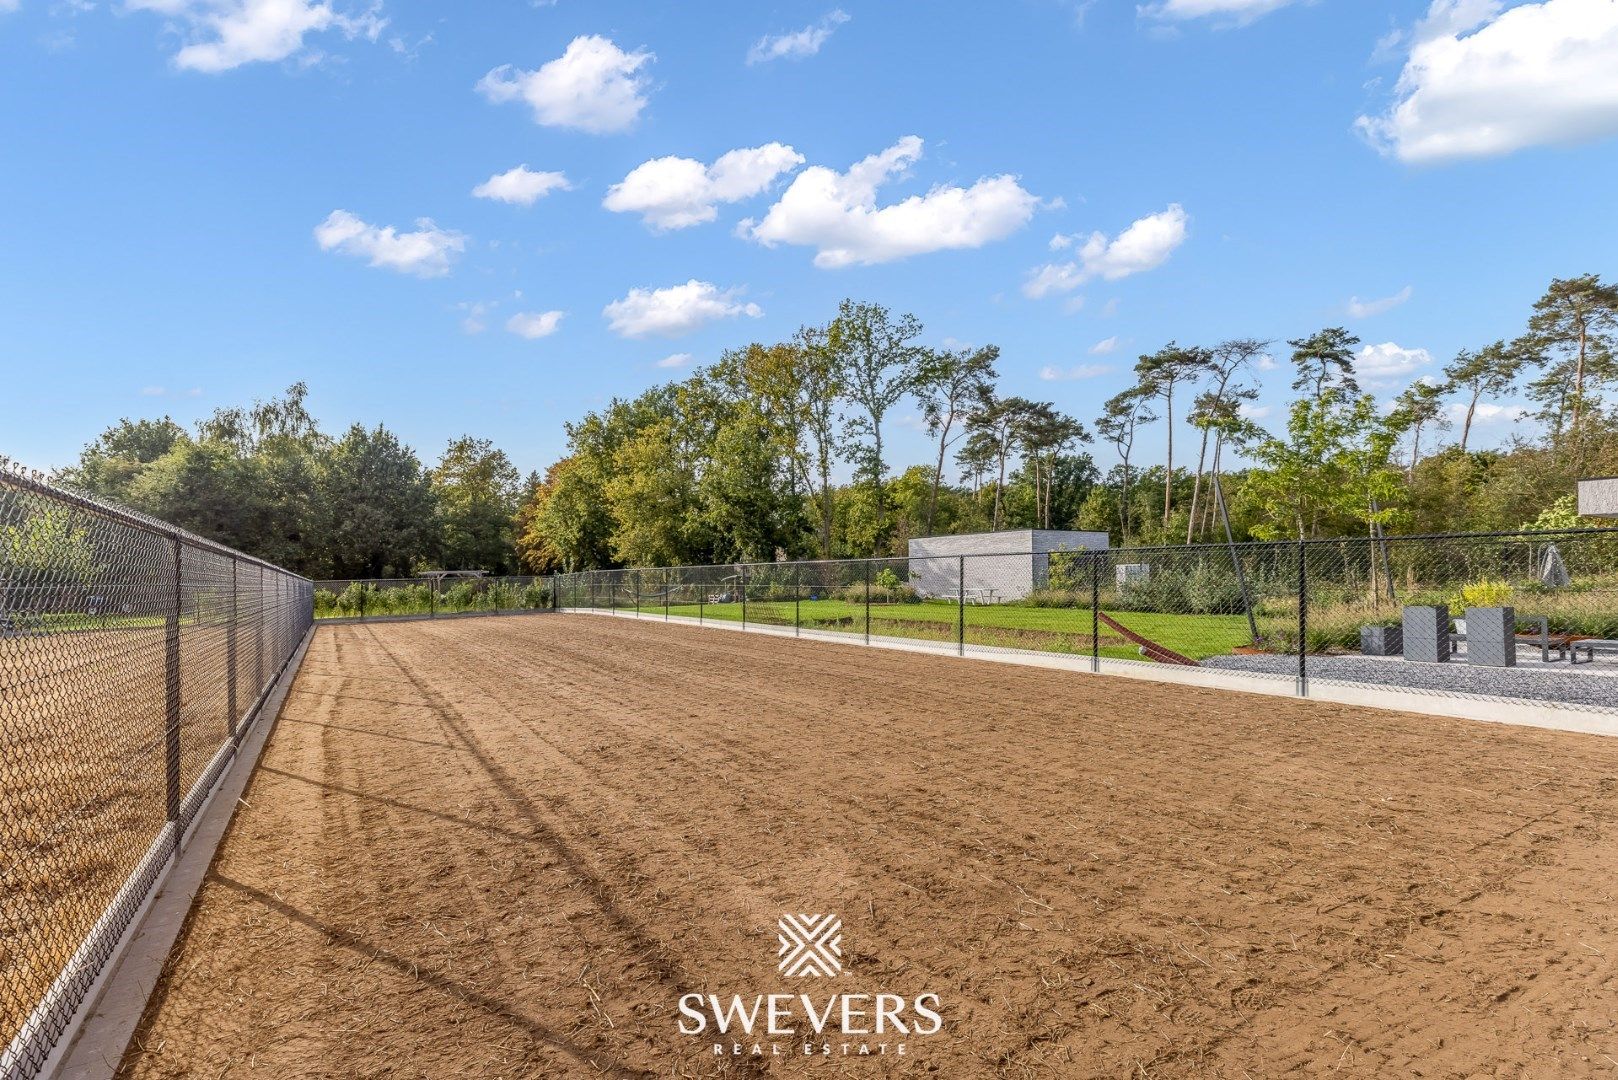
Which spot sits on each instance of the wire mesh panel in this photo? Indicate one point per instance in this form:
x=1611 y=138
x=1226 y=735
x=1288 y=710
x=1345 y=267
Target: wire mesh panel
x=131 y=655
x=1531 y=618
x=1525 y=617
x=1200 y=607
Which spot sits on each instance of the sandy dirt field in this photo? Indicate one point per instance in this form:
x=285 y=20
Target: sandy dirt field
x=508 y=846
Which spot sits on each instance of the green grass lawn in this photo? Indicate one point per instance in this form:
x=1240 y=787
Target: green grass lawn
x=1064 y=630
x=61 y=622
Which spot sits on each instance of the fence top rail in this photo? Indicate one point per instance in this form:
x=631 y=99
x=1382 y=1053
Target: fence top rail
x=18 y=481
x=1520 y=536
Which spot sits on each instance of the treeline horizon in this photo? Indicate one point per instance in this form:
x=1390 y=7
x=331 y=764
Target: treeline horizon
x=738 y=461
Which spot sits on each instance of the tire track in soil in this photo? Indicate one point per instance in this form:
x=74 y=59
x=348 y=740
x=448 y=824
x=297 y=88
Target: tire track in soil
x=628 y=706
x=650 y=954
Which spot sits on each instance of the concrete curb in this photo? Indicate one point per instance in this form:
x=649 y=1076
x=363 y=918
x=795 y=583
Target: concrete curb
x=112 y=1009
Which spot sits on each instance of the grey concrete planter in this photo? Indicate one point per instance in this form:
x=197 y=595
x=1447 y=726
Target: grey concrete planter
x=1382 y=640
x=1491 y=636
x=1426 y=634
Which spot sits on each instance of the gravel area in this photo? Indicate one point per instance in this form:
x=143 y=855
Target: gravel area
x=1594 y=685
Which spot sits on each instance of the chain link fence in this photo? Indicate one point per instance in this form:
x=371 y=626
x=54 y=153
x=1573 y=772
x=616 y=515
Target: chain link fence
x=393 y=598
x=1519 y=617
x=133 y=656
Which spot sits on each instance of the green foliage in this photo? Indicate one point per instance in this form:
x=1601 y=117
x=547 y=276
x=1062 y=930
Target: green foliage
x=49 y=544
x=377 y=512
x=477 y=489
x=1482 y=594
x=1202 y=589
x=1561 y=514
x=371 y=600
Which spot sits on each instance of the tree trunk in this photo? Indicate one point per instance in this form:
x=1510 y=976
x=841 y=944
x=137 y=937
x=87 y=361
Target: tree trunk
x=1196 y=487
x=1471 y=411
x=876 y=477
x=1123 y=501
x=1000 y=485
x=938 y=473
x=825 y=508
x=1168 y=478
x=1578 y=381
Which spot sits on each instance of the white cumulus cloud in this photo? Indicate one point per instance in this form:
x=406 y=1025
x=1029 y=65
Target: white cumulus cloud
x=1482 y=80
x=427 y=252
x=675 y=360
x=1389 y=363
x=677 y=192
x=799 y=44
x=593 y=86
x=1145 y=245
x=675 y=311
x=837 y=213
x=1364 y=309
x=521 y=186
x=534 y=324
x=1237 y=12
x=225 y=34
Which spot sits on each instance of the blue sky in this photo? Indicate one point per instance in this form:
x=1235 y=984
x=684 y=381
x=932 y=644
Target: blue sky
x=196 y=195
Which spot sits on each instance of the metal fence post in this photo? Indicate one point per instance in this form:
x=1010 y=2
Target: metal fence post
x=867 y=601
x=960 y=609
x=702 y=597
x=362 y=599
x=258 y=636
x=230 y=657
x=171 y=696
x=1303 y=620
x=666 y=590
x=797 y=600
x=638 y=584
x=744 y=595
x=1095 y=612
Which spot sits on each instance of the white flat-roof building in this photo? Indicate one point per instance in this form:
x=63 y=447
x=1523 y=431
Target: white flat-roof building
x=998 y=566
x=1599 y=497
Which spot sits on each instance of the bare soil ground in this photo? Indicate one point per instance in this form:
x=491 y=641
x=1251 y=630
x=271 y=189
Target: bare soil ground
x=505 y=847
x=82 y=790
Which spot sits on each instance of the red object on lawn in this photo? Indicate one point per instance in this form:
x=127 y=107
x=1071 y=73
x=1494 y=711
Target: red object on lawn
x=1149 y=648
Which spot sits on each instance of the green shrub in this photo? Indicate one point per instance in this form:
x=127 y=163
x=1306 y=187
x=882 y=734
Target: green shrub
x=1482 y=594
x=1204 y=589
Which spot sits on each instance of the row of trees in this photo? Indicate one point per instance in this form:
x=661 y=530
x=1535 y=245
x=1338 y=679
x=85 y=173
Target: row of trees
x=267 y=480
x=739 y=460
x=742 y=460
